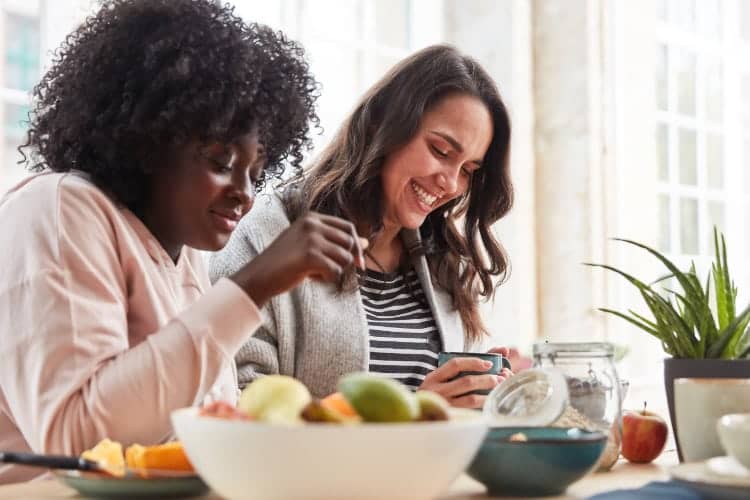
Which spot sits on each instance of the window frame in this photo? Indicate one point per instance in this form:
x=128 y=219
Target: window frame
x=423 y=20
x=34 y=10
x=636 y=37
x=733 y=195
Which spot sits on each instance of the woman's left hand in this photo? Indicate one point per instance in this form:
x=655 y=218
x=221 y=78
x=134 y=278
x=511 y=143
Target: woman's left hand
x=457 y=390
x=505 y=373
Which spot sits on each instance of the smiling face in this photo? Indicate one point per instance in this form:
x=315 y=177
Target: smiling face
x=437 y=163
x=198 y=198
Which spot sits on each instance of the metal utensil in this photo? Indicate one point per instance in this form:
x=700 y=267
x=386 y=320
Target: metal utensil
x=76 y=463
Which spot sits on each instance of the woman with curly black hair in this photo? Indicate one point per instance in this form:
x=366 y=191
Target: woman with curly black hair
x=151 y=132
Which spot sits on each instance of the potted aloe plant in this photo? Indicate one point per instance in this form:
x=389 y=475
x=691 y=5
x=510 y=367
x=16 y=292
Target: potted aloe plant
x=697 y=324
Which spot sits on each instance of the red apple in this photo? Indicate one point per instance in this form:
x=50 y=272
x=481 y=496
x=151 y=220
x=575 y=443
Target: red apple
x=643 y=435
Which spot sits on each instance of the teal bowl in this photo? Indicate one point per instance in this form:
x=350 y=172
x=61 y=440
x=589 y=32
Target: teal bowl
x=546 y=463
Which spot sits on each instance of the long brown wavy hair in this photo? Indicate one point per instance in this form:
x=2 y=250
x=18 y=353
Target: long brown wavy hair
x=346 y=179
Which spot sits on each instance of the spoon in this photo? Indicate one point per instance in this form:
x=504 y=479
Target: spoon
x=76 y=463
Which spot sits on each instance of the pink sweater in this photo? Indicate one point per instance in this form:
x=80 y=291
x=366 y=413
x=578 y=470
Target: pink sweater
x=101 y=333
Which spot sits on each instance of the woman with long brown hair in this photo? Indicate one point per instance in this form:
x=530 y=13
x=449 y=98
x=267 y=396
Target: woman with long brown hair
x=421 y=169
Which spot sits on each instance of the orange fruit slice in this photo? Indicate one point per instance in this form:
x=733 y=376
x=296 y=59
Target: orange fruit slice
x=167 y=456
x=108 y=454
x=340 y=404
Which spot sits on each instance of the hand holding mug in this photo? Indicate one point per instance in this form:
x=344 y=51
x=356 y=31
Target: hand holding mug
x=465 y=378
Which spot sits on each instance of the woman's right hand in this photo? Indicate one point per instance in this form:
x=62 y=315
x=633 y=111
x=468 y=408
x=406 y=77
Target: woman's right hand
x=315 y=246
x=456 y=391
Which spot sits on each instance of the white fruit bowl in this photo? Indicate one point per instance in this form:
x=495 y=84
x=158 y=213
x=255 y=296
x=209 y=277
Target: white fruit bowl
x=251 y=460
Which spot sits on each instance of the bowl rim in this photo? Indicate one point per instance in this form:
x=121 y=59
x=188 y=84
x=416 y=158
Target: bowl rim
x=466 y=418
x=587 y=437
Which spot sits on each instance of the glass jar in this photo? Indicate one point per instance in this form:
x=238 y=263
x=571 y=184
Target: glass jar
x=593 y=389
x=570 y=385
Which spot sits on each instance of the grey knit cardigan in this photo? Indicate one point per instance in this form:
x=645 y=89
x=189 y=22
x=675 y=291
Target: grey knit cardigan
x=313 y=332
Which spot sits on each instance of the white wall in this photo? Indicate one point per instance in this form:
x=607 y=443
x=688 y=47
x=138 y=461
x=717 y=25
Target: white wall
x=498 y=35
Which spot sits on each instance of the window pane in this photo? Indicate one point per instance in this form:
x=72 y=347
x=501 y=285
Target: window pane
x=662 y=96
x=21 y=52
x=745 y=101
x=714 y=91
x=377 y=65
x=687 y=157
x=711 y=21
x=10 y=171
x=14 y=130
x=744 y=19
x=685 y=76
x=664 y=223
x=689 y=226
x=715 y=218
x=662 y=151
x=332 y=19
x=661 y=10
x=392 y=23
x=682 y=13
x=715 y=160
x=339 y=88
x=15 y=120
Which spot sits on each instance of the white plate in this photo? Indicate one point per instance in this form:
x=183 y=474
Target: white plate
x=728 y=467
x=95 y=485
x=720 y=486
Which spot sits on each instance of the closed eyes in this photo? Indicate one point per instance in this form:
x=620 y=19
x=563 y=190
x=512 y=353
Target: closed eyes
x=221 y=164
x=224 y=163
x=444 y=154
x=438 y=152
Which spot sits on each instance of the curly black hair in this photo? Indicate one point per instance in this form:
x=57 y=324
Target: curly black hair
x=142 y=75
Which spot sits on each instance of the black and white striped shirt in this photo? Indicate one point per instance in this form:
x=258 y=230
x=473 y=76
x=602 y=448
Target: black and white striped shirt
x=404 y=339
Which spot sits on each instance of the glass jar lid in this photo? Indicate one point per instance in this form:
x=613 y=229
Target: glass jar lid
x=573 y=349
x=534 y=397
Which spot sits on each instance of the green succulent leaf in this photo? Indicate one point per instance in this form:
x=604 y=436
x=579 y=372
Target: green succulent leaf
x=640 y=324
x=745 y=353
x=663 y=278
x=723 y=286
x=681 y=277
x=683 y=320
x=730 y=336
x=642 y=318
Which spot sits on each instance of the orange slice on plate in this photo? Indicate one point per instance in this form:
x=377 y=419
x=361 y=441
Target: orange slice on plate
x=167 y=456
x=108 y=454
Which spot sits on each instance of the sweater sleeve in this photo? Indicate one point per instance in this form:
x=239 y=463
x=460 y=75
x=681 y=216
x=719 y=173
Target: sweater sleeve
x=68 y=374
x=259 y=355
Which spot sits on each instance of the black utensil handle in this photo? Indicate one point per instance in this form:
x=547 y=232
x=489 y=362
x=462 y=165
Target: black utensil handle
x=49 y=461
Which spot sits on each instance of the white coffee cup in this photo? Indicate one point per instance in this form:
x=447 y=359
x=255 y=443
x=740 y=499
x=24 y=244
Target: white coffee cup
x=734 y=434
x=699 y=403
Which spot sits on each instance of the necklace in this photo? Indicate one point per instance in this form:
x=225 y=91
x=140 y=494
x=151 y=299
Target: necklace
x=376 y=262
x=380 y=288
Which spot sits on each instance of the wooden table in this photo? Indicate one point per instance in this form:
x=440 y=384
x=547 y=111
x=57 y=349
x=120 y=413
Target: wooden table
x=622 y=475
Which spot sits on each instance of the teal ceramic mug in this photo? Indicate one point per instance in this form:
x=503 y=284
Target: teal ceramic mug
x=498 y=363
